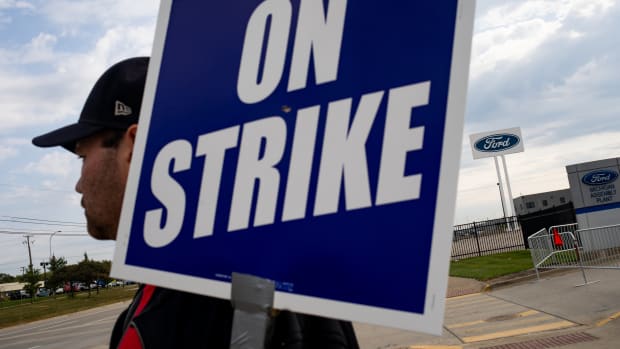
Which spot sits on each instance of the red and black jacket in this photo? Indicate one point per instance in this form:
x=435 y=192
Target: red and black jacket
x=175 y=319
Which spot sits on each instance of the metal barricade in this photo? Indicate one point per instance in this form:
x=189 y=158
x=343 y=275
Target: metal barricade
x=600 y=247
x=565 y=246
x=553 y=249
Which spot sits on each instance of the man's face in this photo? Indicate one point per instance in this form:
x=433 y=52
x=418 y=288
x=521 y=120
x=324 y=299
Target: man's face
x=102 y=184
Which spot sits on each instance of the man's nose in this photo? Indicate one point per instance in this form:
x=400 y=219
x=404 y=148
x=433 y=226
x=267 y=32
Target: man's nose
x=78 y=185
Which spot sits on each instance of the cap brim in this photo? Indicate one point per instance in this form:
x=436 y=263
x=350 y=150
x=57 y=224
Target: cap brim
x=66 y=136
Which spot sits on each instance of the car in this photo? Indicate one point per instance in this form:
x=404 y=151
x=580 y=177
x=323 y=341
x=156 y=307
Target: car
x=19 y=294
x=93 y=285
x=42 y=292
x=79 y=286
x=15 y=295
x=59 y=290
x=115 y=283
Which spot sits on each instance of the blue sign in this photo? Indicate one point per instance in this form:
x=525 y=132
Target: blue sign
x=599 y=177
x=497 y=142
x=308 y=142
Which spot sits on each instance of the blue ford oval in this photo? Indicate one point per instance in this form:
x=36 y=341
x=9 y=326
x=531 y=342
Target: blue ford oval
x=599 y=177
x=497 y=142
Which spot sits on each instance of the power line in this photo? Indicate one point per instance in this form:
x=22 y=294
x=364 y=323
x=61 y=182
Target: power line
x=41 y=220
x=36 y=187
x=41 y=223
x=45 y=234
x=37 y=230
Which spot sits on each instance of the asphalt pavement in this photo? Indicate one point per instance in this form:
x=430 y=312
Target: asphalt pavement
x=561 y=310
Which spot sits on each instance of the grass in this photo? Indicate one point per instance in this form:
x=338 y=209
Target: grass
x=566 y=257
x=19 y=312
x=492 y=266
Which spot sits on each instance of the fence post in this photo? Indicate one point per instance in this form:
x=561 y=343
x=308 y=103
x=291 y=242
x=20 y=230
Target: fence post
x=477 y=241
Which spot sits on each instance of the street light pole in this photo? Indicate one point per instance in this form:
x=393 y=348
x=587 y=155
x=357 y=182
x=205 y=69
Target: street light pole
x=51 y=236
x=44 y=265
x=499 y=186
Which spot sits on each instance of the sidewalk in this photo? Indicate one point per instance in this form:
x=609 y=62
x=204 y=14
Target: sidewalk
x=519 y=312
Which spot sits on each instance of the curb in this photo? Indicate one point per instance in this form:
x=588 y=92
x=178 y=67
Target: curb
x=499 y=283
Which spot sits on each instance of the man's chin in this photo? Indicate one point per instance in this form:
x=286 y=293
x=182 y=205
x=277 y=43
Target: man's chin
x=100 y=233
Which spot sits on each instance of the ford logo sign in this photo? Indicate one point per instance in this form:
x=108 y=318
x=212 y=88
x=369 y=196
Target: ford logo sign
x=599 y=177
x=497 y=142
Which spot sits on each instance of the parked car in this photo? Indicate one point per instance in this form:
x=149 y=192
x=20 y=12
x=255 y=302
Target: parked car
x=20 y=294
x=79 y=286
x=14 y=295
x=43 y=292
x=59 y=290
x=115 y=283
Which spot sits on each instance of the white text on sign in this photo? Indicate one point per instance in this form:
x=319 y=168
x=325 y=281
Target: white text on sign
x=343 y=160
x=316 y=33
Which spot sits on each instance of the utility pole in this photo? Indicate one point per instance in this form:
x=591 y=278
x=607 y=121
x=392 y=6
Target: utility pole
x=30 y=281
x=27 y=242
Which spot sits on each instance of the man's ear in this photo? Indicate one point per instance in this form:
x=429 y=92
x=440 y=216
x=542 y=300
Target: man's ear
x=129 y=140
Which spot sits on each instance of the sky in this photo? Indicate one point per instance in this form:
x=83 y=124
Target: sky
x=548 y=67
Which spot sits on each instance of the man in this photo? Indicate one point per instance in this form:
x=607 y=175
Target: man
x=103 y=138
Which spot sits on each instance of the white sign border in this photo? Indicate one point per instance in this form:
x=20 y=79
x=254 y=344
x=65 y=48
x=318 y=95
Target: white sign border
x=431 y=320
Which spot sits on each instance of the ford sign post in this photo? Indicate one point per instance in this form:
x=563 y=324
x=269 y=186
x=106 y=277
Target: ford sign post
x=494 y=144
x=312 y=143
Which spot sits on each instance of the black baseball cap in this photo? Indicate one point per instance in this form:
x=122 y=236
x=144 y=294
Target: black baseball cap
x=113 y=103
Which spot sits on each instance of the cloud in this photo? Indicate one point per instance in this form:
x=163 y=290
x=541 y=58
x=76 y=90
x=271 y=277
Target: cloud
x=513 y=32
x=7 y=152
x=55 y=94
x=107 y=13
x=9 y=147
x=40 y=49
x=56 y=163
x=564 y=77
x=10 y=4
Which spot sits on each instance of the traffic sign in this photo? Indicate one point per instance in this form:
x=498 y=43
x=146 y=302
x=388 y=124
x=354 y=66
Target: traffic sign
x=312 y=143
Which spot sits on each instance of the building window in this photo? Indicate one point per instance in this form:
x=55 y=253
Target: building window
x=562 y=200
x=545 y=203
x=530 y=204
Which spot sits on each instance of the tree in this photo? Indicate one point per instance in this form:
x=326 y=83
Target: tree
x=57 y=263
x=32 y=278
x=89 y=270
x=85 y=271
x=4 y=278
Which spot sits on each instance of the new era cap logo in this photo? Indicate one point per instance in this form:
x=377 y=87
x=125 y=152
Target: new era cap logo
x=121 y=109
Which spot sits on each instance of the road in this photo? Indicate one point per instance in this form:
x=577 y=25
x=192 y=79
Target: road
x=83 y=330
x=552 y=312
